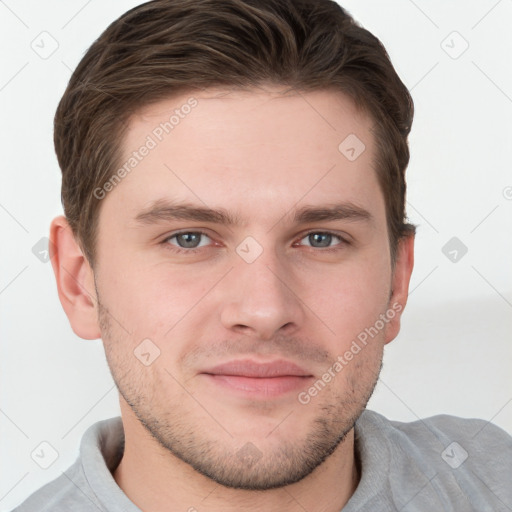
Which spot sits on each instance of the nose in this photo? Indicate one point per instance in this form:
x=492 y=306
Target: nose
x=259 y=299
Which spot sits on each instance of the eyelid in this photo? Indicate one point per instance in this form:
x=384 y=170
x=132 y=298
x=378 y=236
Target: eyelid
x=343 y=239
x=177 y=248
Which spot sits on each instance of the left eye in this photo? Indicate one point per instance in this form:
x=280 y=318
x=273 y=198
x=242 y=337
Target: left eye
x=321 y=239
x=189 y=239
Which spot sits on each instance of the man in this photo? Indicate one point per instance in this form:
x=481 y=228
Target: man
x=234 y=231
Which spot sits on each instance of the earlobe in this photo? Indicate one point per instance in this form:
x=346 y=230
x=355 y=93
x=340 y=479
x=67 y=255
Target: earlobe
x=400 y=284
x=75 y=280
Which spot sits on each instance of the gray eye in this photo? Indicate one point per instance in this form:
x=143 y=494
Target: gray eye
x=319 y=239
x=188 y=240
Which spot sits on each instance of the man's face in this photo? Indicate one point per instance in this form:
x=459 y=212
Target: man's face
x=241 y=319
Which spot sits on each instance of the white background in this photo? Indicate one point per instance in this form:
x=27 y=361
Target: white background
x=454 y=353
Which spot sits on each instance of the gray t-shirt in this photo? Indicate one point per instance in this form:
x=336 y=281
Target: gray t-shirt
x=437 y=464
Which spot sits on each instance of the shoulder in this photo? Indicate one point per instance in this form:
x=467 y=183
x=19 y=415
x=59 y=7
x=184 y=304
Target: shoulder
x=441 y=459
x=436 y=429
x=67 y=492
x=449 y=438
x=88 y=483
x=481 y=439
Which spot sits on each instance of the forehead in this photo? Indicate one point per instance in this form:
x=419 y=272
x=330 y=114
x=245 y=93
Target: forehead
x=243 y=149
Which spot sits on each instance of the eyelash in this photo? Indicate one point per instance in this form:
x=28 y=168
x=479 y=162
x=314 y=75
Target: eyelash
x=180 y=250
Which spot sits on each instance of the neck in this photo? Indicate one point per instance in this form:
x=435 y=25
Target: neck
x=156 y=481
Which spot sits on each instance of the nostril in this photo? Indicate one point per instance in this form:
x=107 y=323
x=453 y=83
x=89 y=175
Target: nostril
x=241 y=327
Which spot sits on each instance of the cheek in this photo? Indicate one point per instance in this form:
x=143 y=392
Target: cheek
x=152 y=301
x=349 y=298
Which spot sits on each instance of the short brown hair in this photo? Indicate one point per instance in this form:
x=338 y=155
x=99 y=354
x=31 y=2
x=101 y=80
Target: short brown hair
x=165 y=47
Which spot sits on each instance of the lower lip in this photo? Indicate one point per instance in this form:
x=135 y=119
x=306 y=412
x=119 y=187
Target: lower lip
x=260 y=387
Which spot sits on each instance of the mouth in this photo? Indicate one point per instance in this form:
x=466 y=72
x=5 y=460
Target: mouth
x=258 y=380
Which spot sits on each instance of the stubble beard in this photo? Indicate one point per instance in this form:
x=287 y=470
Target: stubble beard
x=252 y=466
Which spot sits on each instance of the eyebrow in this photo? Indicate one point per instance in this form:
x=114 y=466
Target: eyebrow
x=343 y=211
x=163 y=210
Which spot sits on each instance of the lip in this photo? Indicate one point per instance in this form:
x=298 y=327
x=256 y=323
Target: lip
x=251 y=379
x=249 y=368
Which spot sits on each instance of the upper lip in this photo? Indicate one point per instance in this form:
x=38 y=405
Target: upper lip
x=249 y=368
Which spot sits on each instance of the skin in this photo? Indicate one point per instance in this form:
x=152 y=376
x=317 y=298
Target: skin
x=260 y=155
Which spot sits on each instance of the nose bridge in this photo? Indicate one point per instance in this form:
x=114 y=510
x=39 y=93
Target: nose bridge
x=265 y=279
x=258 y=296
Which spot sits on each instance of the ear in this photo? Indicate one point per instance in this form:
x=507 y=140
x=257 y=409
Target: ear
x=75 y=280
x=400 y=285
